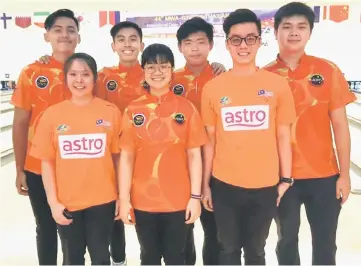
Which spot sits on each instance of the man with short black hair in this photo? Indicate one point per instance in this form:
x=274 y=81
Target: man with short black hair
x=321 y=183
x=38 y=87
x=248 y=114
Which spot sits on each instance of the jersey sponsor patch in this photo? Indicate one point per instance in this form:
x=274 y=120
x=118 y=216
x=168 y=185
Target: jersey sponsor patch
x=178 y=89
x=316 y=79
x=138 y=120
x=111 y=85
x=251 y=117
x=82 y=146
x=42 y=82
x=179 y=118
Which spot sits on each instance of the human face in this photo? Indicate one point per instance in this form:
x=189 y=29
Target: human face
x=293 y=34
x=158 y=76
x=196 y=48
x=63 y=35
x=241 y=52
x=127 y=44
x=80 y=79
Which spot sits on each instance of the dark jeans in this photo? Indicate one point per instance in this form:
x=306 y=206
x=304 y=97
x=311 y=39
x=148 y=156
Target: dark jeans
x=211 y=248
x=322 y=209
x=117 y=244
x=46 y=231
x=243 y=218
x=91 y=228
x=161 y=235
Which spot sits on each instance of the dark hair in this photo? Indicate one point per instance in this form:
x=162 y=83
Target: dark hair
x=194 y=25
x=294 y=9
x=88 y=59
x=241 y=16
x=126 y=24
x=157 y=53
x=66 y=13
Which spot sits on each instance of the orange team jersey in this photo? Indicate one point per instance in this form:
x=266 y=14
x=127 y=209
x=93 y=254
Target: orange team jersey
x=245 y=112
x=159 y=131
x=186 y=84
x=120 y=85
x=81 y=142
x=39 y=86
x=318 y=87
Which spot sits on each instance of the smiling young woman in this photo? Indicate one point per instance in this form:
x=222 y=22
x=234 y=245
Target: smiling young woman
x=76 y=141
x=160 y=128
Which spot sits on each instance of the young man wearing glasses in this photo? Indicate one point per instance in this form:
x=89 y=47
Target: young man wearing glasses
x=248 y=114
x=321 y=93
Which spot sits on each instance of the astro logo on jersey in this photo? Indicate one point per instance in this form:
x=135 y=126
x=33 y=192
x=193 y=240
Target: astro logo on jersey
x=251 y=117
x=83 y=146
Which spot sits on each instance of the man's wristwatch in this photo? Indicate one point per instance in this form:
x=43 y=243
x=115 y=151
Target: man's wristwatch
x=288 y=180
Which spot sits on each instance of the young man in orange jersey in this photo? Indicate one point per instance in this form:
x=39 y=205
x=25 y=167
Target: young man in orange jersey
x=121 y=85
x=320 y=92
x=195 y=41
x=248 y=114
x=40 y=86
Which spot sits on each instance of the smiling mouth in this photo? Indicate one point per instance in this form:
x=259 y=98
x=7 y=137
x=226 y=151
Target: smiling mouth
x=243 y=54
x=127 y=51
x=157 y=79
x=79 y=87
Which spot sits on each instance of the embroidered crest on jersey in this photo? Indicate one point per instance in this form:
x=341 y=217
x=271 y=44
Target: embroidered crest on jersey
x=179 y=118
x=178 y=89
x=138 y=120
x=42 y=82
x=101 y=122
x=111 y=85
x=224 y=100
x=62 y=128
x=316 y=79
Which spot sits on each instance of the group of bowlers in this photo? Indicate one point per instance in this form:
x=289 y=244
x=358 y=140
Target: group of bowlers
x=142 y=144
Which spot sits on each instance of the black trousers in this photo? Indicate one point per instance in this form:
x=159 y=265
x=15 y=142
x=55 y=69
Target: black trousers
x=46 y=231
x=161 y=235
x=91 y=228
x=211 y=248
x=117 y=243
x=243 y=218
x=322 y=210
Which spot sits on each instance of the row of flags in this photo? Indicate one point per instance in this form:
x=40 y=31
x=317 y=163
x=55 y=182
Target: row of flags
x=38 y=19
x=336 y=13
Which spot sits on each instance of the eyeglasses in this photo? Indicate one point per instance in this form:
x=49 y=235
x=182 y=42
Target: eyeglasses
x=153 y=68
x=237 y=41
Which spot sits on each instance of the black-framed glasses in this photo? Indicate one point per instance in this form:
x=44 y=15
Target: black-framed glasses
x=237 y=41
x=153 y=68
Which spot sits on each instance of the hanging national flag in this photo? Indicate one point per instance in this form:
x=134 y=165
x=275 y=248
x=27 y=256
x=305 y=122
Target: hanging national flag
x=39 y=18
x=114 y=17
x=336 y=13
x=108 y=17
x=339 y=13
x=23 y=22
x=103 y=18
x=317 y=10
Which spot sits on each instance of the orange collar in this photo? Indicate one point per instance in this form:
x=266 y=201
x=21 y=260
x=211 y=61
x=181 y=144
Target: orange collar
x=206 y=72
x=133 y=71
